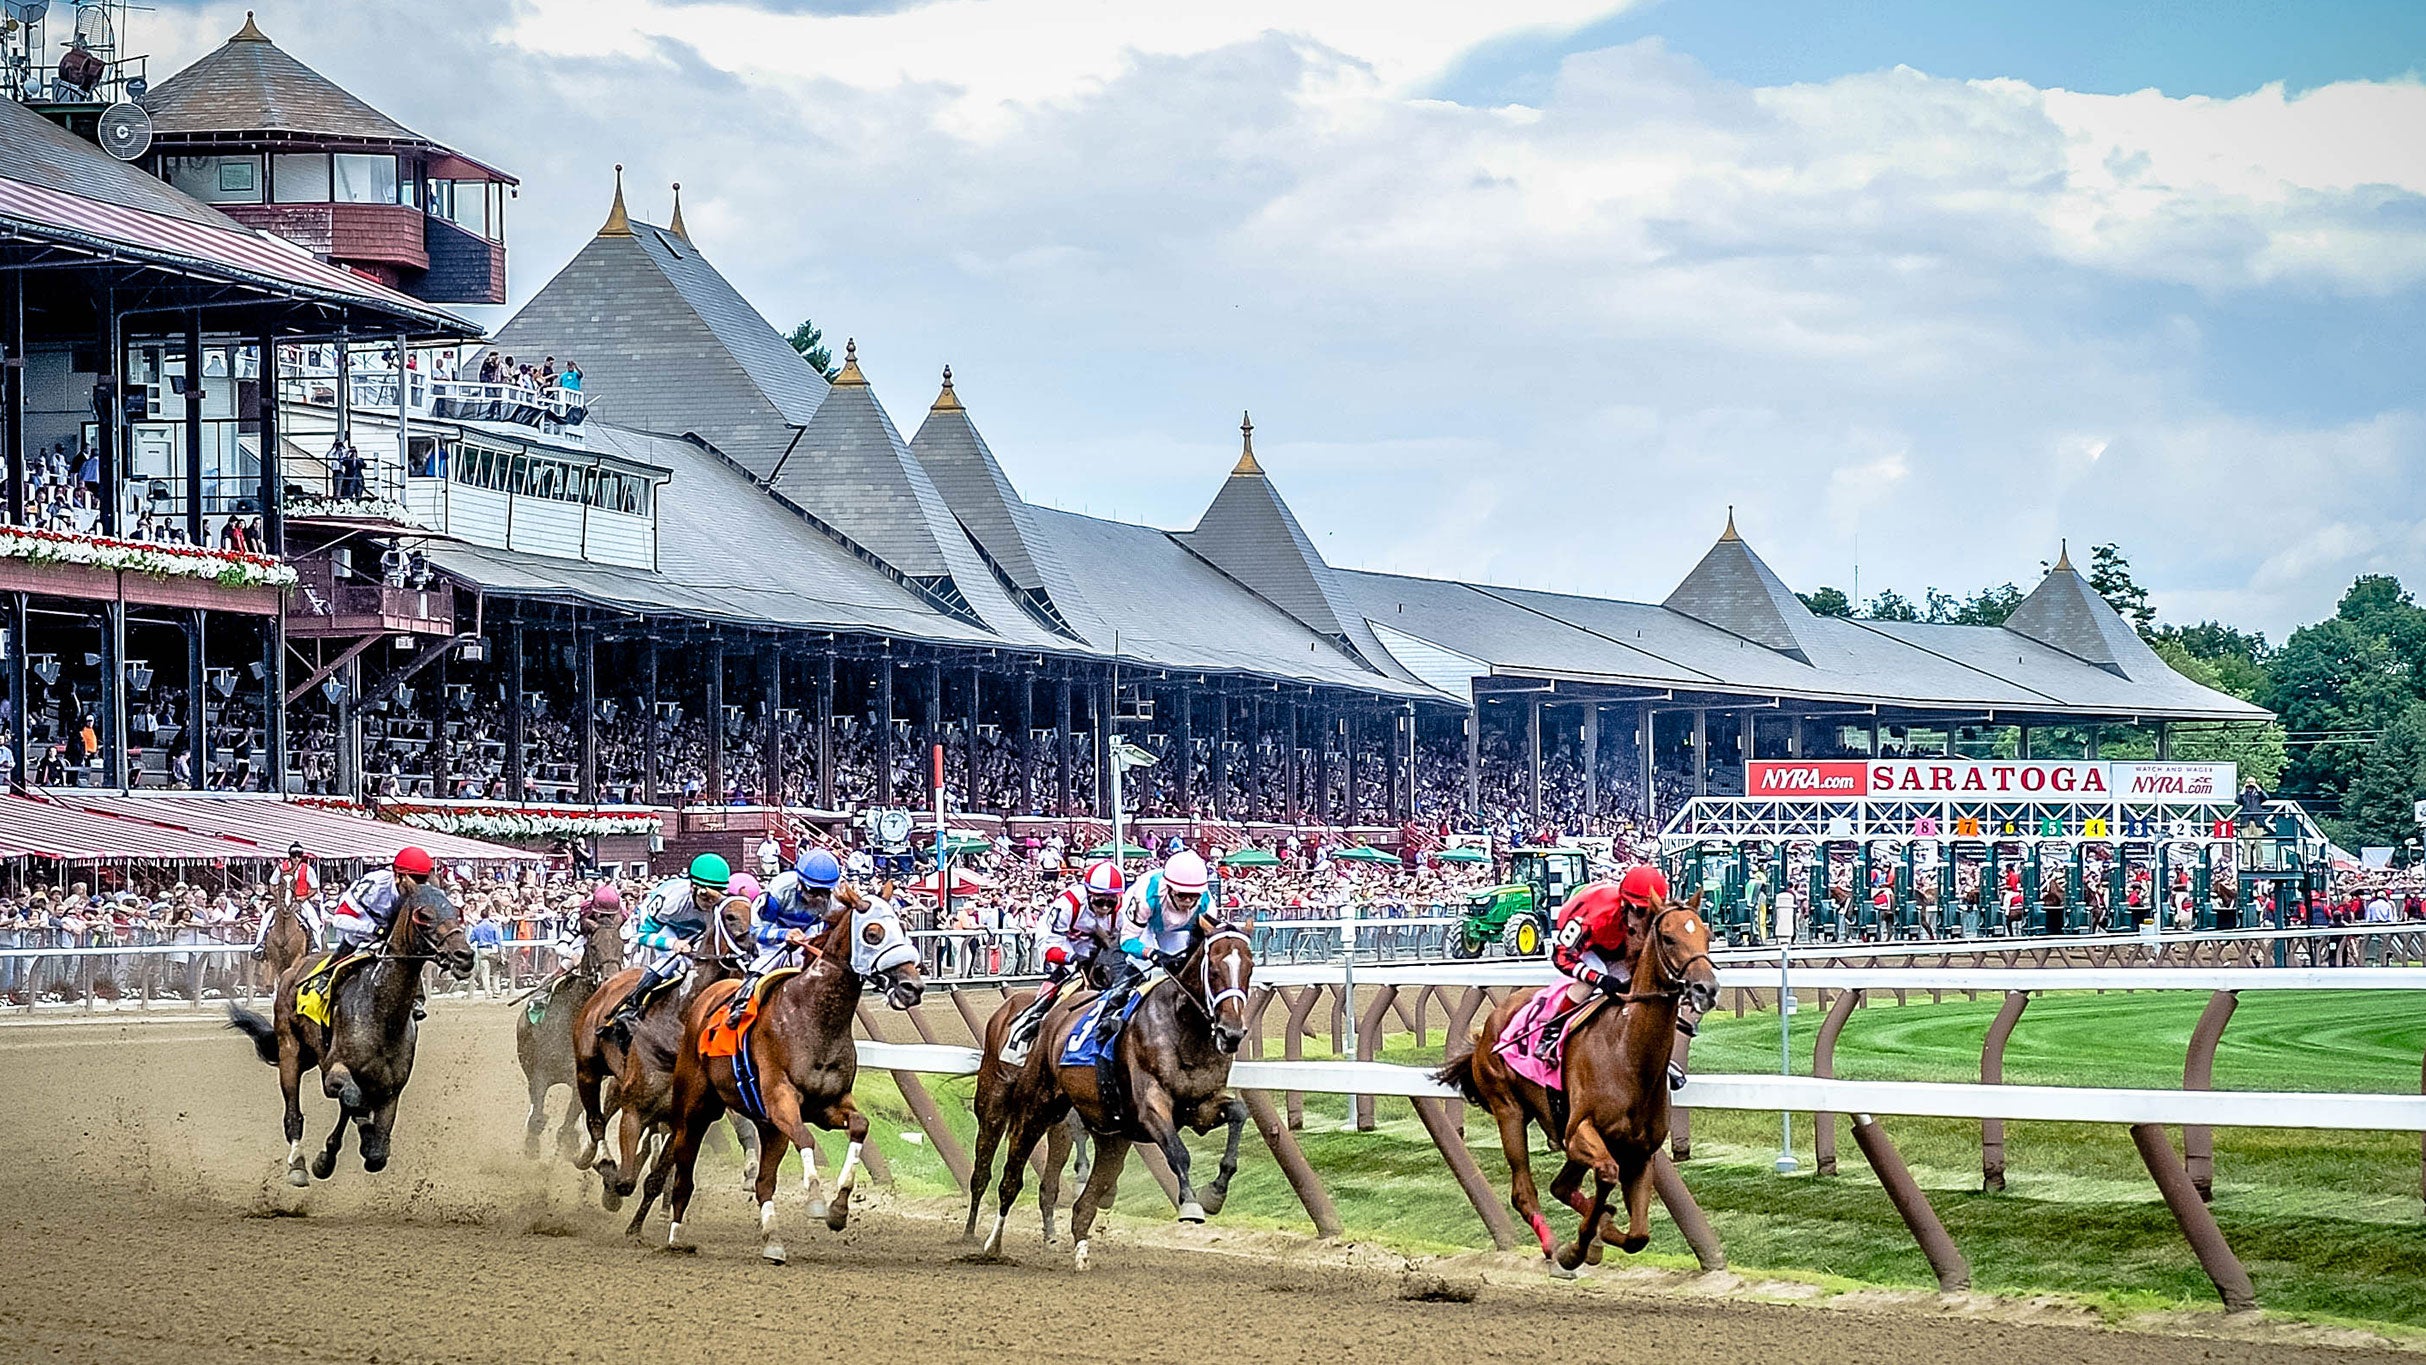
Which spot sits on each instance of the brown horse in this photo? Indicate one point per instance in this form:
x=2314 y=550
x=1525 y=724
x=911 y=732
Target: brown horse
x=543 y=1029
x=1615 y=1066
x=365 y=1051
x=795 y=1066
x=638 y=1078
x=1173 y=1058
x=287 y=942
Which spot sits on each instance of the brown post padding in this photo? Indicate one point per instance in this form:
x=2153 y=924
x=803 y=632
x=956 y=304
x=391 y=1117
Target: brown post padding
x=1343 y=999
x=1368 y=1043
x=1680 y=1119
x=2198 y=1225
x=1293 y=1164
x=969 y=1015
x=1946 y=1259
x=2198 y=1073
x=1461 y=1017
x=1823 y=1065
x=1423 y=998
x=1257 y=1003
x=1992 y=1072
x=919 y=1024
x=1452 y=1146
x=1160 y=1168
x=1703 y=1238
x=922 y=1107
x=1293 y=1046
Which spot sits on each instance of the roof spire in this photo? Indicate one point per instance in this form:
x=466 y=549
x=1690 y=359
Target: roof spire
x=676 y=225
x=1729 y=533
x=618 y=222
x=1246 y=448
x=850 y=365
x=947 y=401
x=251 y=32
x=2063 y=557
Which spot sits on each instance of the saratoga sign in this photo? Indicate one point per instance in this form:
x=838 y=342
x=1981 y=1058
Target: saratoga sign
x=1921 y=779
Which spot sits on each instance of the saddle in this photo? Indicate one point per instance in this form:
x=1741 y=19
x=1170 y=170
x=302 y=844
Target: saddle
x=1080 y=1048
x=723 y=1039
x=1534 y=1041
x=315 y=994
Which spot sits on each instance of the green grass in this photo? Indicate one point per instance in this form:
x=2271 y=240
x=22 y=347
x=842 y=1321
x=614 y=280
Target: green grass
x=2328 y=1224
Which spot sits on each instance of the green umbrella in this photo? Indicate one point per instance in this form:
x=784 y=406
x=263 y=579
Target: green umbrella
x=1464 y=855
x=959 y=844
x=1251 y=857
x=1363 y=854
x=1104 y=850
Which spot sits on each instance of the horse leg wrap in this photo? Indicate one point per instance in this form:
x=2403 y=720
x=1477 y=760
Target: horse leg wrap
x=994 y=1235
x=849 y=1173
x=1078 y=1256
x=770 y=1246
x=1541 y=1229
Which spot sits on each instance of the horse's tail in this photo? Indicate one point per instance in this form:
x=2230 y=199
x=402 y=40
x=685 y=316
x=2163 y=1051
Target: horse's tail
x=1460 y=1073
x=263 y=1033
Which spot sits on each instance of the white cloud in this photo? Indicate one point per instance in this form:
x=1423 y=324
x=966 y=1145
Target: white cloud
x=1548 y=343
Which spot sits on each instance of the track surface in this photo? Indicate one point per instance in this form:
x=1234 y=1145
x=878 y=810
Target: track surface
x=143 y=1218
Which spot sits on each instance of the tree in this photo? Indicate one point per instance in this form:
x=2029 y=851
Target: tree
x=810 y=342
x=2236 y=657
x=2336 y=688
x=2110 y=574
x=2261 y=748
x=2380 y=807
x=2377 y=605
x=1892 y=606
x=1827 y=602
x=1988 y=606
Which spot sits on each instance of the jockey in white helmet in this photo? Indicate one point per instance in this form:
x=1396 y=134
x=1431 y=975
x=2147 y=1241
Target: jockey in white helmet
x=1161 y=921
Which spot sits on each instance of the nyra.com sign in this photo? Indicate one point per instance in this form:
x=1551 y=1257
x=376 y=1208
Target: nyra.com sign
x=1987 y=780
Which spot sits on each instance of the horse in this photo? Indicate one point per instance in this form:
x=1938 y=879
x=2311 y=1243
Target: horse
x=639 y=1078
x=794 y=1066
x=1173 y=1058
x=287 y=940
x=365 y=1051
x=543 y=1031
x=1615 y=1067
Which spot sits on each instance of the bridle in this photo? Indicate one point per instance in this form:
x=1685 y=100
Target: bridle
x=1206 y=997
x=1673 y=972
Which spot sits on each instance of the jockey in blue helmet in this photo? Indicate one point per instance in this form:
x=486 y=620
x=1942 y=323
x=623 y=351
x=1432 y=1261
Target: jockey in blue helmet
x=798 y=907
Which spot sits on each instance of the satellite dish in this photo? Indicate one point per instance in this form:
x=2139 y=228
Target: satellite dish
x=137 y=87
x=125 y=130
x=32 y=14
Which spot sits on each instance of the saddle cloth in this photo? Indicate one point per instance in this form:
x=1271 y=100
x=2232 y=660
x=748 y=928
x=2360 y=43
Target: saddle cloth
x=722 y=1039
x=1533 y=1043
x=315 y=994
x=1078 y=1046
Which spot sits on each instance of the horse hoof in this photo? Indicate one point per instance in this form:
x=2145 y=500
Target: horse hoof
x=374 y=1164
x=298 y=1179
x=1570 y=1256
x=817 y=1208
x=323 y=1167
x=1191 y=1212
x=1078 y=1256
x=609 y=1200
x=1214 y=1199
x=1633 y=1244
x=838 y=1217
x=772 y=1253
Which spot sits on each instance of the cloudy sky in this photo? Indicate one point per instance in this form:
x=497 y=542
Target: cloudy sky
x=1532 y=291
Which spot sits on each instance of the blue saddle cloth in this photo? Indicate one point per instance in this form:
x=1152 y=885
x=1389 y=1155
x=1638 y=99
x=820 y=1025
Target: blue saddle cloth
x=1078 y=1046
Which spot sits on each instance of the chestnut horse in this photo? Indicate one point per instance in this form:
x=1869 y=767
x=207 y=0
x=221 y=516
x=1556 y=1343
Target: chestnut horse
x=801 y=1064
x=365 y=1051
x=287 y=941
x=1174 y=1060
x=638 y=1079
x=1615 y=1065
x=543 y=1029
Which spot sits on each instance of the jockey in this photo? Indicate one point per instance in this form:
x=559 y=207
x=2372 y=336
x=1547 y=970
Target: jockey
x=672 y=920
x=572 y=940
x=1074 y=931
x=795 y=910
x=1161 y=920
x=368 y=908
x=1593 y=948
x=300 y=882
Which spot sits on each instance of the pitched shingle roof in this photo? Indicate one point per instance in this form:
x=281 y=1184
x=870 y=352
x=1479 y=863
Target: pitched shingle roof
x=2064 y=612
x=1733 y=590
x=955 y=456
x=251 y=85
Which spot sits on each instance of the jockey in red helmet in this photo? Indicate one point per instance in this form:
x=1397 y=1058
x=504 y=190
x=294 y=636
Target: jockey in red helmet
x=1593 y=945
x=1077 y=927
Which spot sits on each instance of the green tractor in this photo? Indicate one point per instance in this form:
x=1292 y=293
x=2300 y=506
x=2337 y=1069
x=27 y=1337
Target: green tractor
x=1516 y=914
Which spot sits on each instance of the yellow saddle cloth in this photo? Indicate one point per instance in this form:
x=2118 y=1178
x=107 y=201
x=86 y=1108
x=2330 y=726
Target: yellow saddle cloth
x=315 y=994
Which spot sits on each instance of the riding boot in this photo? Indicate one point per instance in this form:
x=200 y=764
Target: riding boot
x=1676 y=1076
x=741 y=1001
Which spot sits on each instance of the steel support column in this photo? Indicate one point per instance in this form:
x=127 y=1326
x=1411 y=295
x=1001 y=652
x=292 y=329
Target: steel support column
x=1063 y=720
x=1701 y=751
x=517 y=772
x=1025 y=799
x=12 y=416
x=885 y=668
x=585 y=696
x=1474 y=759
x=1187 y=752
x=1533 y=758
x=197 y=700
x=273 y=495
x=20 y=701
x=114 y=767
x=648 y=738
x=1592 y=758
x=109 y=417
x=770 y=742
x=193 y=437
x=825 y=729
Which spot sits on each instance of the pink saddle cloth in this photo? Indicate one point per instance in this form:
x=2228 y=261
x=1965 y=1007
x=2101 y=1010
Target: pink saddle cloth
x=1521 y=1041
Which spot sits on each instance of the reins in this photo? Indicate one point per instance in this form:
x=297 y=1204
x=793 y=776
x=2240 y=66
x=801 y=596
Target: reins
x=1673 y=972
x=1211 y=1000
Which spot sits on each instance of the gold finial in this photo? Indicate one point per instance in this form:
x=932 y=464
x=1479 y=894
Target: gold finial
x=850 y=365
x=947 y=401
x=676 y=225
x=1729 y=533
x=251 y=32
x=618 y=223
x=2063 y=557
x=1246 y=448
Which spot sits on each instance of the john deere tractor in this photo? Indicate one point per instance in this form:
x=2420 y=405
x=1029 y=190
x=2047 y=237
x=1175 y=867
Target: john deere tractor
x=1516 y=914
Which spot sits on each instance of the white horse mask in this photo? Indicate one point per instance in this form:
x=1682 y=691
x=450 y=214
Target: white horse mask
x=878 y=943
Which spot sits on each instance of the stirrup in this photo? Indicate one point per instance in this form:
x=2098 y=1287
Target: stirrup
x=1676 y=1076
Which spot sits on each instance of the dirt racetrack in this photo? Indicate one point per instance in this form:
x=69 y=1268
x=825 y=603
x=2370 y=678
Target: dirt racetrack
x=143 y=1218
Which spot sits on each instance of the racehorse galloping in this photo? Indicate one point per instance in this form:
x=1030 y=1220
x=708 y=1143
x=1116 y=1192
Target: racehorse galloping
x=1615 y=1066
x=286 y=941
x=637 y=1077
x=793 y=1067
x=1173 y=1058
x=543 y=1028
x=365 y=1051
